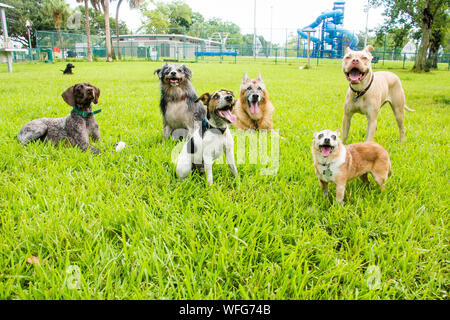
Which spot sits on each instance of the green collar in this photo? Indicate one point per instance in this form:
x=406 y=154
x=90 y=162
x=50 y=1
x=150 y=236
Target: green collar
x=86 y=114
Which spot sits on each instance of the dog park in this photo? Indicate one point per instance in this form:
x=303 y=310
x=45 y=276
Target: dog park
x=121 y=224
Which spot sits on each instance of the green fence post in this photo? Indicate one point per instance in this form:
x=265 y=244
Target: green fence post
x=384 y=50
x=276 y=55
x=404 y=59
x=285 y=54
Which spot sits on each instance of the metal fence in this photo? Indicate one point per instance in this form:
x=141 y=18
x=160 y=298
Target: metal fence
x=183 y=48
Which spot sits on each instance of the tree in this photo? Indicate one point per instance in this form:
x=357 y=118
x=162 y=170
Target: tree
x=59 y=10
x=172 y=17
x=133 y=5
x=437 y=38
x=104 y=4
x=87 y=27
x=24 y=10
x=417 y=13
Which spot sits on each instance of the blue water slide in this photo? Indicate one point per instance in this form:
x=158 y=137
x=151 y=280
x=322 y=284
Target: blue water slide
x=336 y=14
x=332 y=29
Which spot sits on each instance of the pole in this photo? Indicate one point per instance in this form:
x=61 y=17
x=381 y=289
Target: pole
x=309 y=41
x=367 y=22
x=271 y=18
x=254 y=32
x=29 y=44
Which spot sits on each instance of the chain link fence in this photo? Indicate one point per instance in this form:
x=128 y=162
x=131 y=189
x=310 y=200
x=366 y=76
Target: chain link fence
x=180 y=47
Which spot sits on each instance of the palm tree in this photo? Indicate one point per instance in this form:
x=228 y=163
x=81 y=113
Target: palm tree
x=87 y=27
x=105 y=5
x=133 y=5
x=59 y=10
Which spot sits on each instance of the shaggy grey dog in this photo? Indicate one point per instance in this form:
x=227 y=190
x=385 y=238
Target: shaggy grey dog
x=181 y=113
x=76 y=128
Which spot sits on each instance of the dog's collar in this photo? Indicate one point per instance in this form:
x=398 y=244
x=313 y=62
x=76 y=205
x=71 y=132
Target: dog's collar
x=206 y=125
x=361 y=93
x=86 y=114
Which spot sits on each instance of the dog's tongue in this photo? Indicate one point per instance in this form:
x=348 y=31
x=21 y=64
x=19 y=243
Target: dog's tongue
x=325 y=151
x=226 y=114
x=254 y=108
x=355 y=76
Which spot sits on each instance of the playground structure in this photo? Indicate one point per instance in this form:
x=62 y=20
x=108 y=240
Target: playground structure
x=333 y=38
x=6 y=47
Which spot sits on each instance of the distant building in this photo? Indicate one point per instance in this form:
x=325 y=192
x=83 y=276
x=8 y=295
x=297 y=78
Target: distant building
x=166 y=45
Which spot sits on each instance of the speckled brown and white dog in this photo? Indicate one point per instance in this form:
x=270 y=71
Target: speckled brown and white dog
x=368 y=91
x=76 y=128
x=334 y=162
x=182 y=113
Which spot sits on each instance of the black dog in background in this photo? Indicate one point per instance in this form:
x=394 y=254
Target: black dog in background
x=68 y=69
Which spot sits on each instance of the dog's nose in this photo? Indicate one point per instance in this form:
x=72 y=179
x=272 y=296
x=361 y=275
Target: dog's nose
x=173 y=73
x=355 y=61
x=326 y=140
x=228 y=98
x=255 y=97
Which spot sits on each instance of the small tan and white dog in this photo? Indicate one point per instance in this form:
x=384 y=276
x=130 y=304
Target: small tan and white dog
x=212 y=139
x=334 y=162
x=368 y=91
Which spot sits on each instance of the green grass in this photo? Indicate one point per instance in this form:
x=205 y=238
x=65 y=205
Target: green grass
x=135 y=231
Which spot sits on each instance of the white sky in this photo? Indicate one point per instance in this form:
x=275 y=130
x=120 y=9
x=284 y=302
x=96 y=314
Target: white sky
x=286 y=14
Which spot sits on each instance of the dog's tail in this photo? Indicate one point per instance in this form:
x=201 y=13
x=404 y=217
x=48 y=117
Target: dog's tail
x=408 y=109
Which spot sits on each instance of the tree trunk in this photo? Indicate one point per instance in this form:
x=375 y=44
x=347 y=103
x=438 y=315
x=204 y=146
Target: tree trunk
x=435 y=43
x=107 y=30
x=421 y=58
x=59 y=36
x=88 y=29
x=117 y=29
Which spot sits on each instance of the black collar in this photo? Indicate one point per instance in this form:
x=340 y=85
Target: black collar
x=206 y=125
x=361 y=93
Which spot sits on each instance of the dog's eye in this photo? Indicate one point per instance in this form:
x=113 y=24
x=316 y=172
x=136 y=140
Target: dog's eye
x=216 y=96
x=334 y=137
x=347 y=57
x=365 y=58
x=249 y=88
x=320 y=136
x=259 y=88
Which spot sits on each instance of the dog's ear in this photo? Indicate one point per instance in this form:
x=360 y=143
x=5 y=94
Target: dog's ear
x=347 y=50
x=204 y=98
x=260 y=77
x=69 y=97
x=245 y=78
x=338 y=132
x=187 y=72
x=96 y=94
x=368 y=48
x=158 y=72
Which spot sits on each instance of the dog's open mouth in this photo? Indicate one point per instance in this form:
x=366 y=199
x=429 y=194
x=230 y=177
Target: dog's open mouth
x=226 y=114
x=355 y=76
x=174 y=81
x=325 y=150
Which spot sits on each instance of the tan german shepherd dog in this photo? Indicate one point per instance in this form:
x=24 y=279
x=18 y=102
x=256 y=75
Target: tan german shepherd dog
x=253 y=109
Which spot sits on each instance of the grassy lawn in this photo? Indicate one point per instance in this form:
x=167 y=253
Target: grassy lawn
x=122 y=226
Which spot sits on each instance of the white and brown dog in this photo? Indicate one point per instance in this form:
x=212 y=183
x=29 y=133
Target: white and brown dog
x=212 y=139
x=334 y=162
x=368 y=91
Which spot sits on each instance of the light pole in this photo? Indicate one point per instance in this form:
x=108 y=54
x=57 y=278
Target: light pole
x=271 y=18
x=254 y=32
x=28 y=25
x=367 y=22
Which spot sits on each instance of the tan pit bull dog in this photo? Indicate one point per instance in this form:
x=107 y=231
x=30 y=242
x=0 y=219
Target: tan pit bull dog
x=368 y=91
